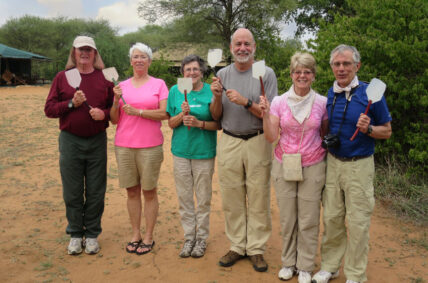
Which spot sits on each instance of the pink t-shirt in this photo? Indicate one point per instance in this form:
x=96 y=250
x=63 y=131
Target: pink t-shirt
x=134 y=131
x=291 y=130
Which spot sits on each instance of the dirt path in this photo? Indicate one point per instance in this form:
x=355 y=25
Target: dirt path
x=32 y=219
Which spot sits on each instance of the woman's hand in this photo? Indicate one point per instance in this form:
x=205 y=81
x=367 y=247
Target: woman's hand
x=97 y=114
x=78 y=98
x=185 y=107
x=191 y=121
x=128 y=109
x=264 y=105
x=117 y=93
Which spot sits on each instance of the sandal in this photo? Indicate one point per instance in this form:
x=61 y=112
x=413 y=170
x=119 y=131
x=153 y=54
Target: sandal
x=132 y=247
x=145 y=246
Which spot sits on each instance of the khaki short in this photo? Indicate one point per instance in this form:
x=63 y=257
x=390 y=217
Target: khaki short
x=139 y=166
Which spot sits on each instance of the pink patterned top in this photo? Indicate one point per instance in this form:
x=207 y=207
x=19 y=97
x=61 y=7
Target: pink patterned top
x=291 y=130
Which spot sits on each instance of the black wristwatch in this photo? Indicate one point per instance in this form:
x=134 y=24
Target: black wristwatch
x=70 y=104
x=369 y=130
x=249 y=103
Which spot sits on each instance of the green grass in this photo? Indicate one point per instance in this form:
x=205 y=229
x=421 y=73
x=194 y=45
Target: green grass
x=406 y=196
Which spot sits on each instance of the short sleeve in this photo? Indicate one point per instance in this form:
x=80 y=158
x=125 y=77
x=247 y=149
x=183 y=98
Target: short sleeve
x=275 y=107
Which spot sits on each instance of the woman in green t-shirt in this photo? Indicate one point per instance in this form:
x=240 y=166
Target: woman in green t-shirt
x=193 y=147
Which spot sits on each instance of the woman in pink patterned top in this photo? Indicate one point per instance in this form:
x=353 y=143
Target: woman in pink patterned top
x=300 y=116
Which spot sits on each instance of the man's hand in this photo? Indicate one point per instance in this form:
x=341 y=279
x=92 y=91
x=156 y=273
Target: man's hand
x=236 y=97
x=363 y=123
x=216 y=87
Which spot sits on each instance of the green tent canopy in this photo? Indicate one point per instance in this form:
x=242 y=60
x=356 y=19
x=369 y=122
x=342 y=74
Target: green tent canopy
x=15 y=65
x=10 y=52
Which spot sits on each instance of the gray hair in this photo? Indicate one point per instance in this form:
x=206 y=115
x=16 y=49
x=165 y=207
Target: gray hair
x=342 y=48
x=193 y=58
x=143 y=48
x=304 y=60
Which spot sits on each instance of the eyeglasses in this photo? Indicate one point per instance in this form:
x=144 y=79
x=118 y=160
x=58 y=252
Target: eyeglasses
x=345 y=64
x=195 y=70
x=306 y=73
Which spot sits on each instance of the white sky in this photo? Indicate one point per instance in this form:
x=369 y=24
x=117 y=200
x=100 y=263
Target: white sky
x=121 y=14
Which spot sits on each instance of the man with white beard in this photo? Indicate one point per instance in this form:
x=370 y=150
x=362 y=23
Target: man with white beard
x=244 y=155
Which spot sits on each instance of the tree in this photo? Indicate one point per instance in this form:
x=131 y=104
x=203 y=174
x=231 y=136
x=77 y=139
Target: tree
x=392 y=37
x=308 y=14
x=219 y=18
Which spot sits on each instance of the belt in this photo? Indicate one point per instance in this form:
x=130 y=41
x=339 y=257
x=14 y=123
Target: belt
x=244 y=137
x=348 y=159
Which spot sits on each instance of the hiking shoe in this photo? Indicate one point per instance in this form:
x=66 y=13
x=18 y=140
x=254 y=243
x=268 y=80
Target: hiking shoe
x=351 y=281
x=323 y=276
x=286 y=273
x=199 y=248
x=187 y=248
x=75 y=246
x=230 y=259
x=259 y=264
x=91 y=246
x=304 y=277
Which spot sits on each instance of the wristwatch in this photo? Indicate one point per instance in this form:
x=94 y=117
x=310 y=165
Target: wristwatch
x=70 y=104
x=369 y=130
x=249 y=103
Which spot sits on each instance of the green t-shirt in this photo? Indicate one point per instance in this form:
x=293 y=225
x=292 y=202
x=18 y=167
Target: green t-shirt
x=194 y=143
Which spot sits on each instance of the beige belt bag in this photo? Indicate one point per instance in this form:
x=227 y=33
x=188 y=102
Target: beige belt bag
x=292 y=163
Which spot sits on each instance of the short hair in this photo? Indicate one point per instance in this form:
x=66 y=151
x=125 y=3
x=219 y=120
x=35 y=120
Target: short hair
x=193 y=58
x=143 y=48
x=304 y=60
x=342 y=48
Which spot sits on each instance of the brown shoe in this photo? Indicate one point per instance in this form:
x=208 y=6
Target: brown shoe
x=259 y=264
x=230 y=259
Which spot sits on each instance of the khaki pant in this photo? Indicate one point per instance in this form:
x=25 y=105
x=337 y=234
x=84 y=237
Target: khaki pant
x=194 y=175
x=299 y=206
x=244 y=176
x=348 y=194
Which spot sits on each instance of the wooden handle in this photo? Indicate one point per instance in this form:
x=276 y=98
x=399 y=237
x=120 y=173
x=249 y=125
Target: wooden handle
x=262 y=85
x=185 y=99
x=358 y=129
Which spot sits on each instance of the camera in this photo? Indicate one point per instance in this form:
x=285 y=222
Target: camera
x=330 y=141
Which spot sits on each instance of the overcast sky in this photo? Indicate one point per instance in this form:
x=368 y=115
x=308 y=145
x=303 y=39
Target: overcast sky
x=121 y=14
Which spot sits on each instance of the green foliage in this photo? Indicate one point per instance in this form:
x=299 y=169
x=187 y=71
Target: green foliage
x=407 y=196
x=309 y=14
x=218 y=18
x=53 y=38
x=392 y=37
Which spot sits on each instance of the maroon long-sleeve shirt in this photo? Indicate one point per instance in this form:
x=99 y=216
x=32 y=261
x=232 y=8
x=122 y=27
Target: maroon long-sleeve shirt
x=78 y=121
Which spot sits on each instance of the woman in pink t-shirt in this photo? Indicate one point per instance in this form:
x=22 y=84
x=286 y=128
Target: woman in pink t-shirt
x=138 y=107
x=300 y=116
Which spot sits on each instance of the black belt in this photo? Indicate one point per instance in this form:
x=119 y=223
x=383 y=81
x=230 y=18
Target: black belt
x=244 y=137
x=349 y=159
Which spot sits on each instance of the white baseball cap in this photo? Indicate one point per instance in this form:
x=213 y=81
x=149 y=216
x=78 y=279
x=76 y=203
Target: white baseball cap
x=81 y=41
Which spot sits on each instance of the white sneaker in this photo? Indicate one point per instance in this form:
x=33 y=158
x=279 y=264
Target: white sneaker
x=286 y=273
x=304 y=277
x=199 y=248
x=351 y=281
x=75 y=246
x=187 y=248
x=91 y=246
x=323 y=276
